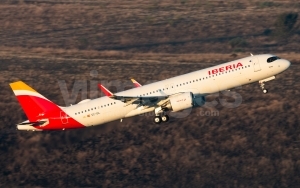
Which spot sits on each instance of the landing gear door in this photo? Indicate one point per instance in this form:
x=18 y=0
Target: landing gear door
x=256 y=64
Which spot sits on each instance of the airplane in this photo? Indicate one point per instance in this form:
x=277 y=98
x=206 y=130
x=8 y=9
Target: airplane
x=173 y=94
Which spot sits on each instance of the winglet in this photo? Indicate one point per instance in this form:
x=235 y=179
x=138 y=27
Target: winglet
x=136 y=84
x=105 y=90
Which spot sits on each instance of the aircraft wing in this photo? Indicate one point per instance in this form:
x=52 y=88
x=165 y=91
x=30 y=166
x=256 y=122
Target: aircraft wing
x=153 y=100
x=130 y=98
x=149 y=101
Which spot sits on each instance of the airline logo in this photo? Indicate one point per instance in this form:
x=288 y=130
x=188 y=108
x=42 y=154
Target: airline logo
x=181 y=100
x=225 y=68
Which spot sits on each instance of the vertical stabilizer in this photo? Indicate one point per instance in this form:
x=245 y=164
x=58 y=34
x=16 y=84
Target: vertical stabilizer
x=35 y=105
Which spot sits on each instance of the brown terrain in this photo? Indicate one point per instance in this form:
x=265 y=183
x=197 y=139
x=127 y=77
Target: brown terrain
x=46 y=42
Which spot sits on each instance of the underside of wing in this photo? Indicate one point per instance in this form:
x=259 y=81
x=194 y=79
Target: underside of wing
x=131 y=99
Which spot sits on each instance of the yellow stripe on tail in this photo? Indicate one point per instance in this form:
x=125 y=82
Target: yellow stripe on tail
x=19 y=85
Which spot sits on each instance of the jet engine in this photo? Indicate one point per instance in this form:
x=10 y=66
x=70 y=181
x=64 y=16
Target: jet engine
x=181 y=101
x=185 y=100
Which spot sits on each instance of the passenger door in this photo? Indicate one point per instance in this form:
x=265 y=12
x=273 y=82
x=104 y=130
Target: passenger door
x=256 y=64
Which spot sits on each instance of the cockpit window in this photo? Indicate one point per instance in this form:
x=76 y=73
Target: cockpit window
x=271 y=59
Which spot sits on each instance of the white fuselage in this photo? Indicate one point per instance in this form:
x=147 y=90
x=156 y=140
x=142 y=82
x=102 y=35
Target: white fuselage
x=203 y=82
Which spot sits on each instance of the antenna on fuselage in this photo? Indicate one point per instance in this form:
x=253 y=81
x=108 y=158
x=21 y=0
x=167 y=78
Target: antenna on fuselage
x=251 y=54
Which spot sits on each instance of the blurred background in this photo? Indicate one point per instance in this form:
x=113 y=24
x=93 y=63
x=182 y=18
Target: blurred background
x=44 y=42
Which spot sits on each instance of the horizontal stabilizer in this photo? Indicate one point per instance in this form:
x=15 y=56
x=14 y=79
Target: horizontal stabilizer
x=42 y=122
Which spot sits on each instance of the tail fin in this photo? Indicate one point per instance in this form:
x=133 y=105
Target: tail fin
x=34 y=104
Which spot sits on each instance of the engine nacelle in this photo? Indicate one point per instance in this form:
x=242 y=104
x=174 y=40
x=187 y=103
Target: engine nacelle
x=185 y=100
x=181 y=101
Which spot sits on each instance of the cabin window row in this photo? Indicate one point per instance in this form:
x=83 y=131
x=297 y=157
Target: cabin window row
x=90 y=109
x=178 y=85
